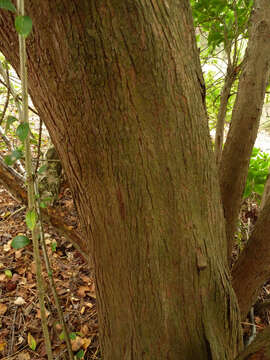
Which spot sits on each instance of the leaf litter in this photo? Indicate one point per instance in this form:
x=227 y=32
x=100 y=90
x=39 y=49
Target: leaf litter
x=21 y=335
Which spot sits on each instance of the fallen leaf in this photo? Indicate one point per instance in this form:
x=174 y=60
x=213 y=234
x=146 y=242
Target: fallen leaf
x=77 y=343
x=31 y=342
x=82 y=291
x=3 y=308
x=84 y=330
x=19 y=301
x=24 y=356
x=2 y=345
x=87 y=342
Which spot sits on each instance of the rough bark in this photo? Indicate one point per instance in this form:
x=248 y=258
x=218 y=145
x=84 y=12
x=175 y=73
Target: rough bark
x=14 y=183
x=119 y=86
x=245 y=117
x=252 y=268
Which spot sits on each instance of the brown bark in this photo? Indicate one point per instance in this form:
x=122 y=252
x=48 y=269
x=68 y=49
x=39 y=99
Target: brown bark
x=15 y=184
x=245 y=117
x=252 y=268
x=258 y=349
x=119 y=86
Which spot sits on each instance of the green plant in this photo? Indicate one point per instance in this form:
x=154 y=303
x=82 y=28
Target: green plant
x=257 y=173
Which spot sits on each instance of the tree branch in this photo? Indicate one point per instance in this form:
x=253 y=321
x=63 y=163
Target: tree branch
x=245 y=118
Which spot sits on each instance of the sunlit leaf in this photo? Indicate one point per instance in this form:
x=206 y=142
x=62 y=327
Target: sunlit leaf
x=31 y=342
x=8 y=274
x=23 y=25
x=31 y=219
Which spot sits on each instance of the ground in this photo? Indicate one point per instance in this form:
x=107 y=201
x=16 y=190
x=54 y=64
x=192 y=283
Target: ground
x=19 y=309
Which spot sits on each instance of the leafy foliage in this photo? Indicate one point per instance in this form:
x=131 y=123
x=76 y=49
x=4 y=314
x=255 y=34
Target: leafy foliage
x=257 y=173
x=7 y=5
x=222 y=20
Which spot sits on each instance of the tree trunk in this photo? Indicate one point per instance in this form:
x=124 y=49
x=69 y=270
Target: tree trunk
x=256 y=258
x=224 y=98
x=245 y=118
x=119 y=86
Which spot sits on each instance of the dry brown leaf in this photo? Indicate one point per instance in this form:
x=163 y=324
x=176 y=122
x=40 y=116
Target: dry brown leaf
x=87 y=342
x=2 y=345
x=18 y=254
x=3 y=308
x=82 y=291
x=84 y=330
x=86 y=279
x=24 y=356
x=77 y=343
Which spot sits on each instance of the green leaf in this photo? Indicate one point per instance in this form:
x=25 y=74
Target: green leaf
x=72 y=336
x=8 y=274
x=7 y=5
x=62 y=336
x=43 y=205
x=31 y=219
x=20 y=241
x=10 y=120
x=22 y=131
x=79 y=354
x=42 y=169
x=53 y=246
x=8 y=160
x=23 y=25
x=31 y=342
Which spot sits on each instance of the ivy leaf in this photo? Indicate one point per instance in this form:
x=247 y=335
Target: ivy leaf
x=31 y=219
x=20 y=241
x=42 y=169
x=22 y=131
x=7 y=5
x=10 y=120
x=23 y=25
x=31 y=342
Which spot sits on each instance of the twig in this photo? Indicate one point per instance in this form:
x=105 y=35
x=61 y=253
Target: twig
x=15 y=213
x=7 y=100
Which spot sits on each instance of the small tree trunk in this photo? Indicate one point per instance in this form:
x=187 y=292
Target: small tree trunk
x=224 y=97
x=245 y=118
x=266 y=191
x=252 y=268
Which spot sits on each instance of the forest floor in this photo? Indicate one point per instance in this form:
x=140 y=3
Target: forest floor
x=20 y=326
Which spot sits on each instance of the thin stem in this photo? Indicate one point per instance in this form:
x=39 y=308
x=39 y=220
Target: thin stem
x=30 y=187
